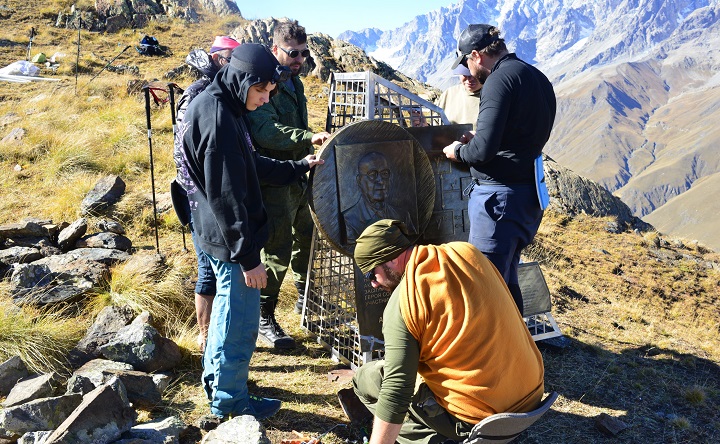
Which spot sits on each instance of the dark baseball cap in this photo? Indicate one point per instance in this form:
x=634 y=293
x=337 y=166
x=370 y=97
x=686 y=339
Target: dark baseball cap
x=475 y=36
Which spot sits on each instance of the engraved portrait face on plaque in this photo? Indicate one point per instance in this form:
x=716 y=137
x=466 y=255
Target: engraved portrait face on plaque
x=373 y=170
x=372 y=189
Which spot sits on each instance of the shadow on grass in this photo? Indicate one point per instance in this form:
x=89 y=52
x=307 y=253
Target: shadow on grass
x=661 y=395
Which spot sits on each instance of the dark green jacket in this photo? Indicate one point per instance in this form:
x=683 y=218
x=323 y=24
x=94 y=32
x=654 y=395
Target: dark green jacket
x=280 y=127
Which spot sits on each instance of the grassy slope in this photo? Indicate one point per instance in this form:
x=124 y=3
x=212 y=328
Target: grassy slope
x=643 y=321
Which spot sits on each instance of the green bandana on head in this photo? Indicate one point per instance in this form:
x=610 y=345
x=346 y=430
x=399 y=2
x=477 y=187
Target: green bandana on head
x=381 y=242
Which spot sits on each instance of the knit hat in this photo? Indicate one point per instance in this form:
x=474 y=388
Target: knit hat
x=474 y=37
x=223 y=42
x=379 y=243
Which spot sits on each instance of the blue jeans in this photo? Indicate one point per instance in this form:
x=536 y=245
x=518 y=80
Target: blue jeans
x=231 y=340
x=503 y=221
x=206 y=284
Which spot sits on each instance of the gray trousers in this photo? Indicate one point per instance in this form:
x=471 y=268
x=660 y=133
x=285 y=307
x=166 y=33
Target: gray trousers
x=426 y=422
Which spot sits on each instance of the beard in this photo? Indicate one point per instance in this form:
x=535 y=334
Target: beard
x=296 y=69
x=393 y=279
x=482 y=75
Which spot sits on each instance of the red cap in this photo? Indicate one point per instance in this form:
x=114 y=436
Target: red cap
x=223 y=42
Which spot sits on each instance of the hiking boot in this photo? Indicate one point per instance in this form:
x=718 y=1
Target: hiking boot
x=209 y=422
x=301 y=297
x=261 y=408
x=270 y=331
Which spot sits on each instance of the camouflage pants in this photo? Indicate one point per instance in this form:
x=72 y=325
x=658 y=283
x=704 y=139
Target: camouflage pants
x=290 y=230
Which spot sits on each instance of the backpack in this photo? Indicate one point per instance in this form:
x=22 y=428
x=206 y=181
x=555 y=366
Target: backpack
x=149 y=45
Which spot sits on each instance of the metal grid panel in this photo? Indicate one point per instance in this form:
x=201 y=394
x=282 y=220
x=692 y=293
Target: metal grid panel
x=542 y=326
x=329 y=308
x=364 y=95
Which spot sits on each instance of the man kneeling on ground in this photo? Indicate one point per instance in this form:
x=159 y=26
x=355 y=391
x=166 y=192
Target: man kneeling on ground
x=450 y=319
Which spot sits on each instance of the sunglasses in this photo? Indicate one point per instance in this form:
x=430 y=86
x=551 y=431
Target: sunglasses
x=282 y=74
x=293 y=53
x=370 y=275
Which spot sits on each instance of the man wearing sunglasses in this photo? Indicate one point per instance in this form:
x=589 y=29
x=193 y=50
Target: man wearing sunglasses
x=280 y=130
x=516 y=115
x=452 y=320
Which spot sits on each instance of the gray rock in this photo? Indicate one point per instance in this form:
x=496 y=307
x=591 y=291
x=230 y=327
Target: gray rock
x=9 y=119
x=111 y=226
x=160 y=431
x=38 y=242
x=108 y=322
x=19 y=255
x=142 y=391
x=49 y=295
x=91 y=375
x=69 y=235
x=609 y=425
x=23 y=229
x=115 y=23
x=162 y=381
x=40 y=414
x=107 y=191
x=105 y=240
x=50 y=250
x=102 y=417
x=15 y=135
x=141 y=345
x=34 y=437
x=103 y=255
x=34 y=387
x=35 y=282
x=239 y=430
x=11 y=371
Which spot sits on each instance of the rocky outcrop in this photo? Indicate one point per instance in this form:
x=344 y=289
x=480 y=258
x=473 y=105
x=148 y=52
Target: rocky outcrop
x=49 y=263
x=114 y=15
x=99 y=406
x=220 y=7
x=572 y=194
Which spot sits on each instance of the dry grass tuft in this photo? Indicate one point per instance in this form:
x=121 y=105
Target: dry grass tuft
x=42 y=339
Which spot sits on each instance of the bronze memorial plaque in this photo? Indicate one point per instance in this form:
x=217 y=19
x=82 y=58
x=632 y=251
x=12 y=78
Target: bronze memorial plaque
x=449 y=220
x=373 y=170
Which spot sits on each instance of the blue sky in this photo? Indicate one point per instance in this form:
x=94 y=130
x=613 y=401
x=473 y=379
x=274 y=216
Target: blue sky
x=335 y=16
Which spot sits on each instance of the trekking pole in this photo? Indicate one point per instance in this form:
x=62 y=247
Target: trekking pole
x=32 y=36
x=77 y=57
x=108 y=64
x=152 y=168
x=171 y=90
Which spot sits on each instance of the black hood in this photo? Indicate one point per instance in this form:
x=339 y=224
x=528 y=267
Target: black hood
x=250 y=64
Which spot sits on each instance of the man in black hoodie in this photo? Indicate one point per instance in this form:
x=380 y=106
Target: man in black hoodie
x=222 y=172
x=208 y=65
